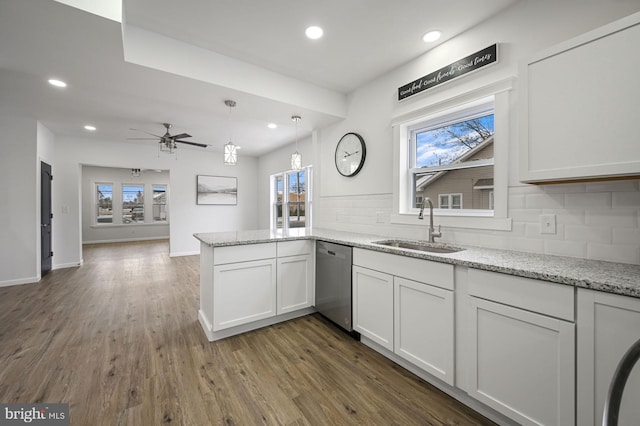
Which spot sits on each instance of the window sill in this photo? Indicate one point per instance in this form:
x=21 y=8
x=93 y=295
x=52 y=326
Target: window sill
x=127 y=225
x=464 y=222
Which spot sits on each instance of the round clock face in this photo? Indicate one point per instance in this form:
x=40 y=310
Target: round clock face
x=350 y=154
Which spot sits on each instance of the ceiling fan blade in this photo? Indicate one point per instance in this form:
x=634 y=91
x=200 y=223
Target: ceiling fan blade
x=181 y=135
x=142 y=139
x=202 y=145
x=144 y=131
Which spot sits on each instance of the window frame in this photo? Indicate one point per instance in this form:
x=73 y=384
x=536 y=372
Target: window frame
x=450 y=197
x=273 y=199
x=122 y=201
x=97 y=199
x=469 y=219
x=166 y=202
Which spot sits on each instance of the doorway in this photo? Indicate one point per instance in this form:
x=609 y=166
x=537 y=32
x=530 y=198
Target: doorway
x=46 y=252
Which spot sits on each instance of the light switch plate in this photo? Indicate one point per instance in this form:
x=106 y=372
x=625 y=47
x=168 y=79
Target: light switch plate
x=548 y=224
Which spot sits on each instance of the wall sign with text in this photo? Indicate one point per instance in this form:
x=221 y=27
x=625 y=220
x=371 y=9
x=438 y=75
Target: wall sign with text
x=457 y=69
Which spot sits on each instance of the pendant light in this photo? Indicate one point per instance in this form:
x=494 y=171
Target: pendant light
x=230 y=150
x=296 y=158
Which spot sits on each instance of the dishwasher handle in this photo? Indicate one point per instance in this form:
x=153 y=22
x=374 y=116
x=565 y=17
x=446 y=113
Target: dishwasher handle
x=334 y=253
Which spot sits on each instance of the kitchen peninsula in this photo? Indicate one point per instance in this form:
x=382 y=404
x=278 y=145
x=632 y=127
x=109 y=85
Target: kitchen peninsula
x=447 y=325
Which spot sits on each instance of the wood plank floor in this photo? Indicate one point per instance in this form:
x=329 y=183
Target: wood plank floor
x=118 y=339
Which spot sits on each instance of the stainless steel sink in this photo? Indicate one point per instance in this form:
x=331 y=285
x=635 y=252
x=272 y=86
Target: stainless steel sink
x=414 y=245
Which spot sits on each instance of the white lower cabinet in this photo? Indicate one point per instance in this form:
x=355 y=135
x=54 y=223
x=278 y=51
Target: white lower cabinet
x=295 y=283
x=522 y=363
x=243 y=292
x=423 y=327
x=395 y=308
x=373 y=305
x=608 y=324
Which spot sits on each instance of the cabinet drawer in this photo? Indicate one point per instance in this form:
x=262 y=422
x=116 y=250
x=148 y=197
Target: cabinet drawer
x=544 y=297
x=425 y=271
x=294 y=248
x=243 y=253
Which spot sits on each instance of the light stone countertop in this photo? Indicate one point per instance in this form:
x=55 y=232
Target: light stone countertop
x=611 y=277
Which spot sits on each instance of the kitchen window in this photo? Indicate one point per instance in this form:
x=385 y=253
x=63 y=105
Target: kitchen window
x=455 y=147
x=291 y=199
x=104 y=203
x=132 y=203
x=451 y=157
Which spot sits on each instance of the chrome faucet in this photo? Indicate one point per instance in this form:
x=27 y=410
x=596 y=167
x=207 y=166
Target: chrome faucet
x=432 y=232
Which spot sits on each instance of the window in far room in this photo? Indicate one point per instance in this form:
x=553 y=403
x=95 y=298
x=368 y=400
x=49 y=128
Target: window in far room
x=290 y=199
x=159 y=203
x=132 y=203
x=104 y=203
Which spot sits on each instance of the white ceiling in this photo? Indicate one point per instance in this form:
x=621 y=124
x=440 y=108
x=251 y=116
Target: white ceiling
x=363 y=40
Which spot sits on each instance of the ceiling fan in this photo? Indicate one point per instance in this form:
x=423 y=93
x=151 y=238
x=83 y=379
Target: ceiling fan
x=167 y=141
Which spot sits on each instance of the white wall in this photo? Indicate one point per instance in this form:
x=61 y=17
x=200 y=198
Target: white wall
x=92 y=233
x=18 y=215
x=595 y=221
x=187 y=218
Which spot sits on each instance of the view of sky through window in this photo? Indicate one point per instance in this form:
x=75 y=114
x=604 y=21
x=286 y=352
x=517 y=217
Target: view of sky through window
x=444 y=145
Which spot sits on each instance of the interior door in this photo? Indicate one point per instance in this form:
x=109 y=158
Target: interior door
x=45 y=217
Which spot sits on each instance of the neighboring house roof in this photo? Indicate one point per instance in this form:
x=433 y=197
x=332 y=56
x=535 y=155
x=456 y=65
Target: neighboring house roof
x=429 y=179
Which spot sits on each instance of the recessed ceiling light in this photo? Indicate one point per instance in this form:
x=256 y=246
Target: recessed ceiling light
x=314 y=32
x=272 y=125
x=57 y=83
x=90 y=128
x=431 y=36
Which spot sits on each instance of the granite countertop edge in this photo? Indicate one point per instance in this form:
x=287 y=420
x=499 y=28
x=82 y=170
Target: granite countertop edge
x=610 y=277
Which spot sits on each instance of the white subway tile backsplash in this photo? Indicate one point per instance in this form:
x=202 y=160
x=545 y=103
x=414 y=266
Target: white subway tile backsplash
x=598 y=220
x=614 y=253
x=612 y=217
x=597 y=234
x=588 y=200
x=525 y=215
x=626 y=199
x=565 y=188
x=614 y=186
x=527 y=244
x=566 y=248
x=544 y=201
x=571 y=216
x=629 y=236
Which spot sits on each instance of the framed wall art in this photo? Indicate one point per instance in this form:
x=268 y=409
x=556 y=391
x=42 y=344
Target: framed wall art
x=217 y=190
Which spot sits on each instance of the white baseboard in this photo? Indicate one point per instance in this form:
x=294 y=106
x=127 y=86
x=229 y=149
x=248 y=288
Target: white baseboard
x=66 y=265
x=20 y=281
x=184 y=253
x=124 y=240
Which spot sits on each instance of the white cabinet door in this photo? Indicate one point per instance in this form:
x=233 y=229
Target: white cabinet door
x=295 y=283
x=373 y=305
x=243 y=292
x=576 y=114
x=522 y=364
x=608 y=325
x=424 y=327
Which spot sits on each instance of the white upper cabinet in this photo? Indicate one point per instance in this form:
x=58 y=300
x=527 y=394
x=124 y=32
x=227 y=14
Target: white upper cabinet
x=579 y=107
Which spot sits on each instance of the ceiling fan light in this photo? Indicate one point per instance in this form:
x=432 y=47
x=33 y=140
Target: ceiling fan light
x=230 y=154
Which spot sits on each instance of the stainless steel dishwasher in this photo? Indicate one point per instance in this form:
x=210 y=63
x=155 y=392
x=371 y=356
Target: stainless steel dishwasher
x=333 y=283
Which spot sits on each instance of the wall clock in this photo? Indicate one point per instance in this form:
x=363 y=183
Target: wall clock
x=350 y=154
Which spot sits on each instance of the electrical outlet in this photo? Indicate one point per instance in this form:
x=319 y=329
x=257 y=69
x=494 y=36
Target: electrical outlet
x=548 y=224
x=379 y=217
